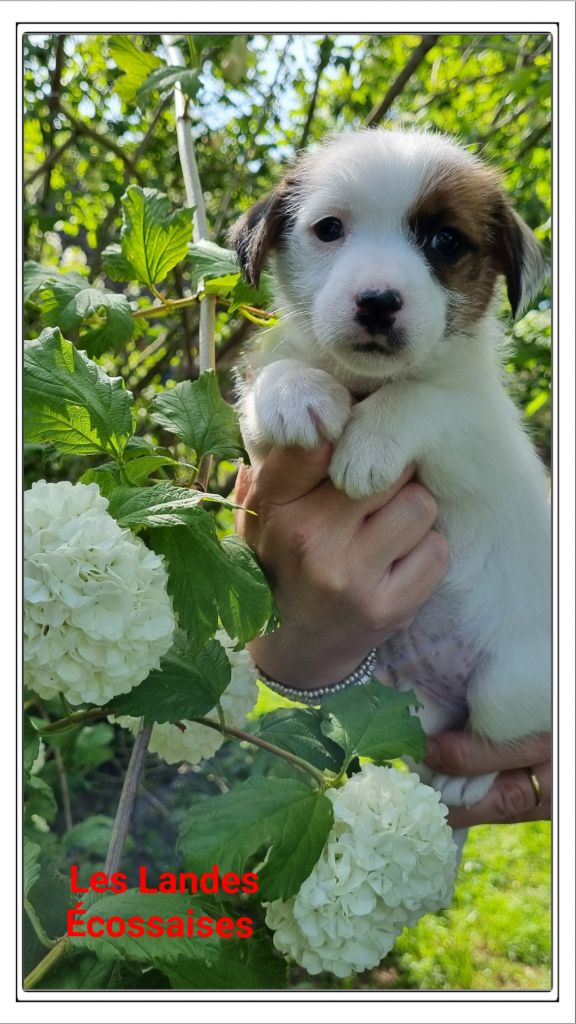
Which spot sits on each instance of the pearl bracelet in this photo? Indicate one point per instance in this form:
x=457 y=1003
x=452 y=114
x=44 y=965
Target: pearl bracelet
x=359 y=677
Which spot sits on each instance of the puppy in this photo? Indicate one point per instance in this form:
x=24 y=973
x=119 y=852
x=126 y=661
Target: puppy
x=388 y=247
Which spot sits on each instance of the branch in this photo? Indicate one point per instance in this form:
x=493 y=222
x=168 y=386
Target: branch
x=51 y=159
x=127 y=798
x=92 y=133
x=416 y=58
x=532 y=140
x=324 y=54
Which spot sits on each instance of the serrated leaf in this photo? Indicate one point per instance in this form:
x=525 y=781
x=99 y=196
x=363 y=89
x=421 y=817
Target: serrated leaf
x=39 y=799
x=163 y=949
x=187 y=685
x=71 y=402
x=138 y=470
x=154 y=236
x=68 y=301
x=105 y=476
x=83 y=971
x=299 y=731
x=136 y=65
x=93 y=746
x=284 y=815
x=32 y=854
x=117 y=267
x=167 y=77
x=209 y=578
x=247 y=964
x=31 y=744
x=159 y=505
x=374 y=721
x=211 y=260
x=196 y=412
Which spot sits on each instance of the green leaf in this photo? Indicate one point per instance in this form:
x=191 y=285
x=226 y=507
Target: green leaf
x=31 y=744
x=166 y=78
x=106 y=476
x=83 y=971
x=68 y=301
x=32 y=853
x=187 y=684
x=154 y=237
x=211 y=260
x=299 y=731
x=284 y=815
x=71 y=402
x=251 y=963
x=159 y=505
x=374 y=721
x=162 y=949
x=196 y=412
x=209 y=578
x=40 y=799
x=136 y=65
x=92 y=835
x=93 y=746
x=138 y=470
x=117 y=267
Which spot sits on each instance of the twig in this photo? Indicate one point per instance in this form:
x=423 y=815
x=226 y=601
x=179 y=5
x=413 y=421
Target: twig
x=66 y=805
x=103 y=140
x=42 y=968
x=532 y=140
x=51 y=159
x=324 y=53
x=257 y=741
x=416 y=58
x=127 y=798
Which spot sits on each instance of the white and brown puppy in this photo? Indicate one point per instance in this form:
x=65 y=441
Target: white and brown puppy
x=388 y=246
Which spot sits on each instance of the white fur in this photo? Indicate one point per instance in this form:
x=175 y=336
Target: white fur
x=439 y=402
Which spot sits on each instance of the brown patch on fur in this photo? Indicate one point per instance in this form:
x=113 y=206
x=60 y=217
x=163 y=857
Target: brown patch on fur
x=260 y=229
x=471 y=199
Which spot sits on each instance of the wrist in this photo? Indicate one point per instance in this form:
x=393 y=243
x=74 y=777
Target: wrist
x=303 y=663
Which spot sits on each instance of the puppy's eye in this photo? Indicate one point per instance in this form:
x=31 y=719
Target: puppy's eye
x=329 y=229
x=448 y=243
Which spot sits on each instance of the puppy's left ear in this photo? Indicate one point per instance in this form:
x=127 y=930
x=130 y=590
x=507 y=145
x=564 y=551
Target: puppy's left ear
x=519 y=258
x=260 y=229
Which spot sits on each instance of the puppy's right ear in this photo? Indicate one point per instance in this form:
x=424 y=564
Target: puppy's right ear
x=260 y=228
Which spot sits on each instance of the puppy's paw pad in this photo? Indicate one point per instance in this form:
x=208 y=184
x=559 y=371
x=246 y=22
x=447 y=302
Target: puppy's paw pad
x=461 y=790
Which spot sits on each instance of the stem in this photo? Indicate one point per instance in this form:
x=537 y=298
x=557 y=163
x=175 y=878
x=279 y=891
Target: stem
x=195 y=198
x=256 y=741
x=78 y=718
x=42 y=968
x=127 y=798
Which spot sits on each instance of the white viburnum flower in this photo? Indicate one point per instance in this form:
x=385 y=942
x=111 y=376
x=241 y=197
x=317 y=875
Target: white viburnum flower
x=97 y=614
x=196 y=742
x=389 y=859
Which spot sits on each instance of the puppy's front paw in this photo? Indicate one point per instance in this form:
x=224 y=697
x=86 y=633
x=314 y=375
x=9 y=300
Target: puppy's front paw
x=365 y=462
x=462 y=791
x=292 y=404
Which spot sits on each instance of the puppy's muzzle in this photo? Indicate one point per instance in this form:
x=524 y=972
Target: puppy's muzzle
x=375 y=311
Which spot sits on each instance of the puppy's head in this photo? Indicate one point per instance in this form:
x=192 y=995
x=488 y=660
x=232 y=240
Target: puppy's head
x=390 y=244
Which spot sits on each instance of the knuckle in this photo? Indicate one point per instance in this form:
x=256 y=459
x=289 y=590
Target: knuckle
x=420 y=502
x=511 y=800
x=455 y=753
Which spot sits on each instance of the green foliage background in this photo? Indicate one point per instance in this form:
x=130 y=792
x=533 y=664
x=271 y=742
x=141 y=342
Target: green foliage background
x=91 y=131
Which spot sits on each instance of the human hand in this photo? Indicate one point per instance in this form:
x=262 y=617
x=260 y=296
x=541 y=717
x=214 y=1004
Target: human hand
x=345 y=573
x=512 y=798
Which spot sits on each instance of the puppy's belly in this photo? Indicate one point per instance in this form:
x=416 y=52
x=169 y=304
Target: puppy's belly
x=433 y=659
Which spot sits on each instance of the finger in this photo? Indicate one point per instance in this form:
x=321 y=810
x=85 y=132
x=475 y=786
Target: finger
x=414 y=577
x=465 y=753
x=355 y=512
x=398 y=527
x=287 y=474
x=511 y=799
x=243 y=482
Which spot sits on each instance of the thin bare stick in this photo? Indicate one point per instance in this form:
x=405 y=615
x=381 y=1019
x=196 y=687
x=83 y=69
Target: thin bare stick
x=416 y=57
x=195 y=198
x=127 y=797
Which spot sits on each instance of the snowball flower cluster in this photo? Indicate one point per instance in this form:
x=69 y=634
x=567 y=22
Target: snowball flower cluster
x=97 y=615
x=389 y=859
x=196 y=742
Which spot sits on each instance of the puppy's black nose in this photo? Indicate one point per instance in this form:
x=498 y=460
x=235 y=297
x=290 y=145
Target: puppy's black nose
x=375 y=310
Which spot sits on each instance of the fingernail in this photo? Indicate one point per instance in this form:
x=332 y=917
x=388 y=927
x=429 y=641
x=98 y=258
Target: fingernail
x=432 y=753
